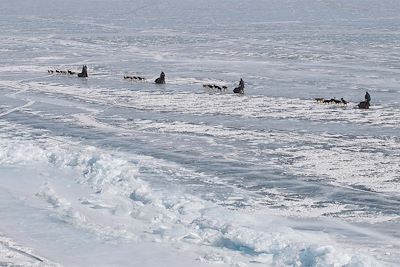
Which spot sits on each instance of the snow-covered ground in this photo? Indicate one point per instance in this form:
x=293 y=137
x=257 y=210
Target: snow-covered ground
x=108 y=172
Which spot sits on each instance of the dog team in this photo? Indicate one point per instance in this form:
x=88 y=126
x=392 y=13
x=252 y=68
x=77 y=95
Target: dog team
x=238 y=90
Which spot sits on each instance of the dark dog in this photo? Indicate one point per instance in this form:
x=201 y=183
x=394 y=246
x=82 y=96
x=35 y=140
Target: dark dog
x=328 y=101
x=65 y=72
x=332 y=100
x=214 y=86
x=211 y=86
x=134 y=78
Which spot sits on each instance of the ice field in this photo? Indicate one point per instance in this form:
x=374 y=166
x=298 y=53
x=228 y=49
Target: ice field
x=102 y=171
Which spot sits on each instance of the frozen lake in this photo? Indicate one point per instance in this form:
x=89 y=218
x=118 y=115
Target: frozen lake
x=104 y=171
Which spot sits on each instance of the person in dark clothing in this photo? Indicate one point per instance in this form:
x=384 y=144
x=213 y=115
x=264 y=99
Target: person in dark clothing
x=367 y=97
x=161 y=79
x=83 y=74
x=240 y=88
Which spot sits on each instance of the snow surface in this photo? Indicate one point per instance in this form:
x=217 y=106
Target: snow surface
x=108 y=172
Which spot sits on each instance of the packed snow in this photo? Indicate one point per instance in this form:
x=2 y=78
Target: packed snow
x=103 y=171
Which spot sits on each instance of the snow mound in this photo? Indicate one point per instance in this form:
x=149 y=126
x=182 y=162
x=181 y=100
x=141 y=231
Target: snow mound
x=165 y=216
